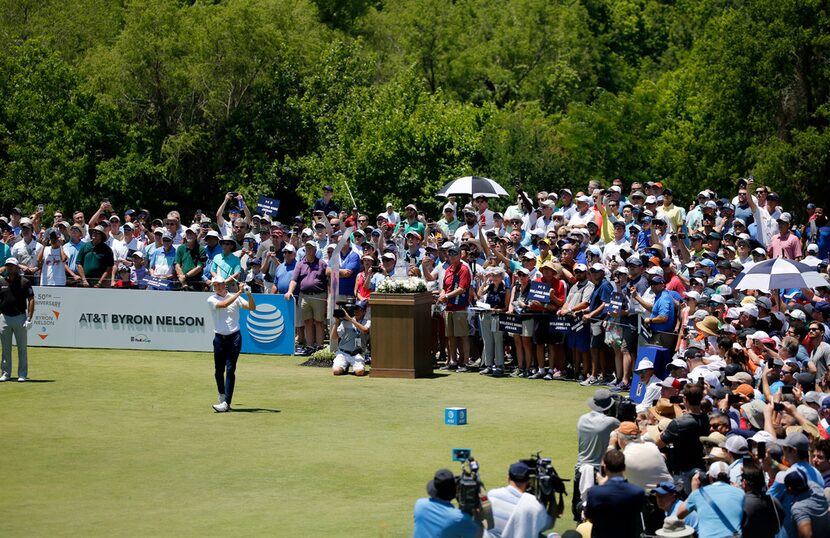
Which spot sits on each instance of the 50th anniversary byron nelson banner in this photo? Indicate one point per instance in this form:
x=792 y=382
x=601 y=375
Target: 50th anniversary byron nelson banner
x=152 y=320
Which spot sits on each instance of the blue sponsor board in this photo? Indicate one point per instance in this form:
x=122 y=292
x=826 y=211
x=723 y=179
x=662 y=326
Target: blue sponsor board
x=270 y=328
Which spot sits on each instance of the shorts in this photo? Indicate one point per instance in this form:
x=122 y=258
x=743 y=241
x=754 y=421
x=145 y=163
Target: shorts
x=313 y=306
x=344 y=360
x=456 y=323
x=598 y=341
x=527 y=328
x=542 y=333
x=629 y=340
x=298 y=315
x=579 y=340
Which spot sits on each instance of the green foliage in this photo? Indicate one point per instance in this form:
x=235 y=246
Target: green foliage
x=161 y=102
x=52 y=133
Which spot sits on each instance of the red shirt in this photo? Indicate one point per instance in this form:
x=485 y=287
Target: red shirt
x=457 y=276
x=675 y=284
x=557 y=289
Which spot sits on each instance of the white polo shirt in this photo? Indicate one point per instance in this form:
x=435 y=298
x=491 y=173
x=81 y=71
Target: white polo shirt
x=225 y=320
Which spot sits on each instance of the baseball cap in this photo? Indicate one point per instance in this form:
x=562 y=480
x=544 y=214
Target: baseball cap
x=289 y=248
x=718 y=468
x=797 y=441
x=311 y=244
x=666 y=487
x=736 y=444
x=168 y=235
x=138 y=254
x=11 y=260
x=597 y=268
x=212 y=233
x=628 y=428
x=519 y=472
x=677 y=362
x=580 y=267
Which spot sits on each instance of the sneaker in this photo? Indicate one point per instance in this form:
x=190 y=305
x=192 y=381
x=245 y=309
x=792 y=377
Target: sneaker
x=222 y=407
x=548 y=376
x=590 y=380
x=486 y=371
x=475 y=364
x=498 y=372
x=598 y=381
x=624 y=387
x=525 y=373
x=516 y=373
x=4 y=377
x=557 y=374
x=610 y=380
x=462 y=369
x=450 y=366
x=538 y=375
x=21 y=379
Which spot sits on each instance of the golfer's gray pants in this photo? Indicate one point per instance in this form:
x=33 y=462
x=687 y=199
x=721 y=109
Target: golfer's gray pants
x=493 y=340
x=13 y=325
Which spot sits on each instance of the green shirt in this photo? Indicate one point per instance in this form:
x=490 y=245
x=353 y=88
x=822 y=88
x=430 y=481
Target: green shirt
x=417 y=226
x=95 y=259
x=190 y=258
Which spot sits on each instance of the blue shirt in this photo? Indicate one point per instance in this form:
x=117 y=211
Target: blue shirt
x=210 y=253
x=730 y=501
x=663 y=306
x=779 y=491
x=435 y=518
x=283 y=276
x=351 y=262
x=71 y=250
x=601 y=294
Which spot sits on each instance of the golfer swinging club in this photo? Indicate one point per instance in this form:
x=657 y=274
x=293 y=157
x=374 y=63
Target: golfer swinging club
x=227 y=342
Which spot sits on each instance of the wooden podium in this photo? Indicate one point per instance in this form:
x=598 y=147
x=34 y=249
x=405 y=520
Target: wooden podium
x=400 y=333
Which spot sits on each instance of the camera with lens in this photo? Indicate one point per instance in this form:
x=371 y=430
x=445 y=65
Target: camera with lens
x=345 y=307
x=470 y=491
x=545 y=483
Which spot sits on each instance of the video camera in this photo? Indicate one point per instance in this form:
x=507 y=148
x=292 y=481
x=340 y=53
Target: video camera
x=545 y=482
x=470 y=491
x=346 y=306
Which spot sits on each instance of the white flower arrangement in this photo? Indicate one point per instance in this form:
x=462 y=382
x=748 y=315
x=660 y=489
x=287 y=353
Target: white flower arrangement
x=410 y=284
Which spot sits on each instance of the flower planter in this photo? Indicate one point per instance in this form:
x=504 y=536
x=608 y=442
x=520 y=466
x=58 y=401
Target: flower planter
x=400 y=333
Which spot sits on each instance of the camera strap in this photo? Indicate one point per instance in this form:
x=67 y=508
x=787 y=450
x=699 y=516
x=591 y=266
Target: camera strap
x=718 y=511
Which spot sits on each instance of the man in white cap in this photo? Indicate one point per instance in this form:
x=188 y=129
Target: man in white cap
x=227 y=340
x=17 y=306
x=719 y=505
x=651 y=383
x=583 y=214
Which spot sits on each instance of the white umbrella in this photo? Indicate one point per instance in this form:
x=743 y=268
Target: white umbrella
x=778 y=274
x=474 y=186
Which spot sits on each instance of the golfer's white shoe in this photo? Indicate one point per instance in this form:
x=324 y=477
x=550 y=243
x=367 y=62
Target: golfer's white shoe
x=221 y=407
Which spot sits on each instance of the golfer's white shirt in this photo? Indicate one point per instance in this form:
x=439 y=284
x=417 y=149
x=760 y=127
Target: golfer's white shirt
x=225 y=320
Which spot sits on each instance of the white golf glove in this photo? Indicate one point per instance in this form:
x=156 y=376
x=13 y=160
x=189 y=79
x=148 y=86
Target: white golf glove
x=27 y=324
x=246 y=288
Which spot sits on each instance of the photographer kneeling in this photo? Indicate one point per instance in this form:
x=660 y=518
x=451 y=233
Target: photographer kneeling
x=436 y=516
x=348 y=334
x=516 y=512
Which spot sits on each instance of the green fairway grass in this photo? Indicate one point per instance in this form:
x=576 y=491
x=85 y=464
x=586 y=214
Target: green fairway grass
x=118 y=443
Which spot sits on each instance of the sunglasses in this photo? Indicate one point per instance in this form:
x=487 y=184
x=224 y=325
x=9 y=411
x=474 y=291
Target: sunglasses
x=814 y=330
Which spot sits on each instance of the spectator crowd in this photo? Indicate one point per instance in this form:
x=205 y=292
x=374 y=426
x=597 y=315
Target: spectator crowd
x=730 y=437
